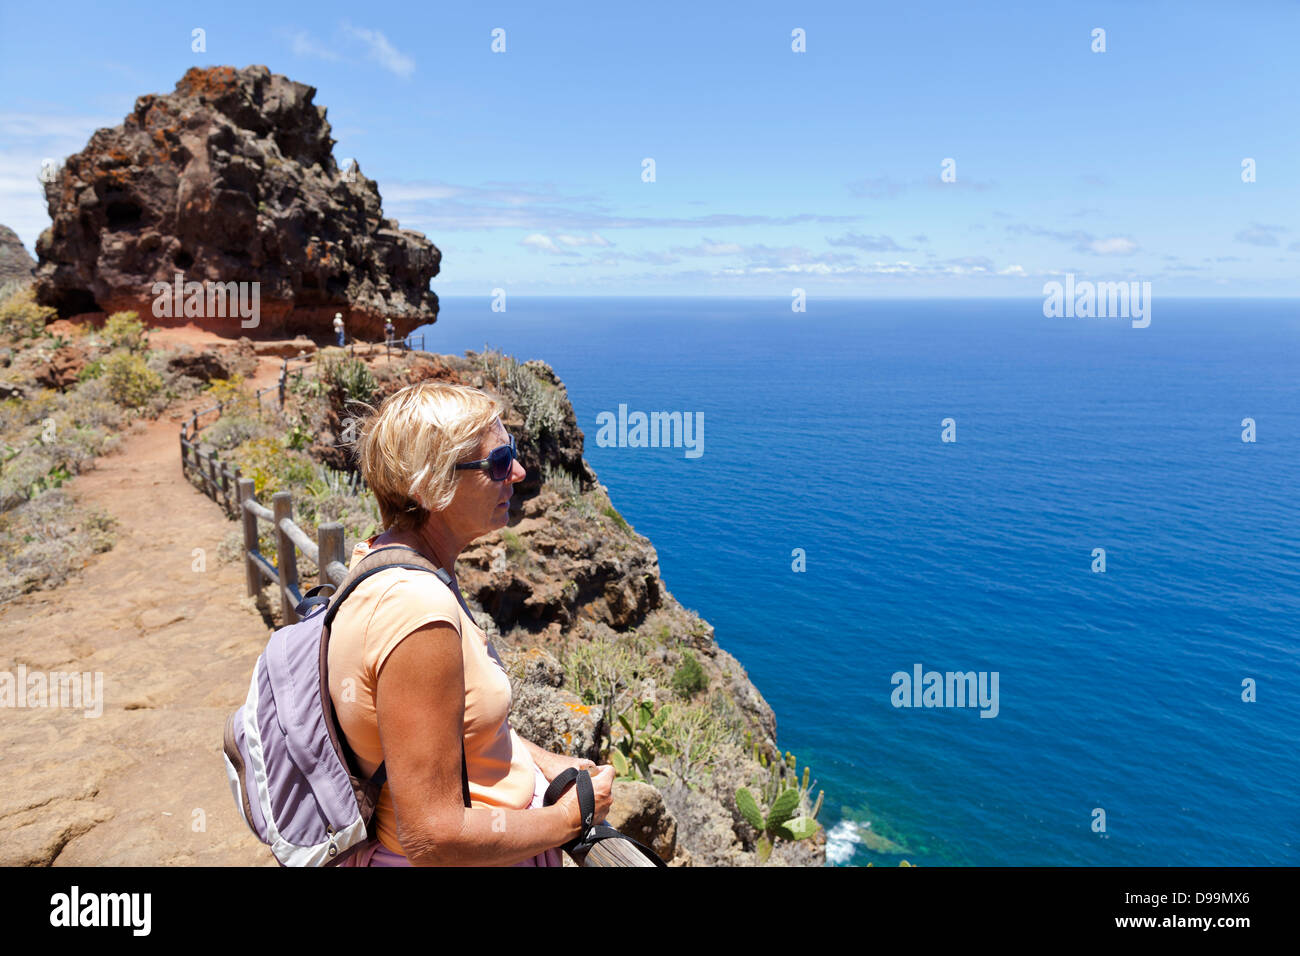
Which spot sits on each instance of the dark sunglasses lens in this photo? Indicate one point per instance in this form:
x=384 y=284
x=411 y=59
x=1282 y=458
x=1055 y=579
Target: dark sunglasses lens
x=501 y=460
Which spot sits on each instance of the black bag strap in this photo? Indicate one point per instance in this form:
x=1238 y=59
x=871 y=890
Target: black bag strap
x=592 y=832
x=412 y=560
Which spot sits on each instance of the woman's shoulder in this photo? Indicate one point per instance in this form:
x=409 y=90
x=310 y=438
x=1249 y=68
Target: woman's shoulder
x=398 y=596
x=405 y=593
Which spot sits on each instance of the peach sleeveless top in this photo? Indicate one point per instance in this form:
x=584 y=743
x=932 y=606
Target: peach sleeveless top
x=383 y=610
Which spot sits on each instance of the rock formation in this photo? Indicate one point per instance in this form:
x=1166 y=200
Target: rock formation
x=230 y=179
x=15 y=263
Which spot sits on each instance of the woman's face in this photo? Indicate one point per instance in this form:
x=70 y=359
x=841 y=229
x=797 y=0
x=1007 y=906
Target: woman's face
x=479 y=501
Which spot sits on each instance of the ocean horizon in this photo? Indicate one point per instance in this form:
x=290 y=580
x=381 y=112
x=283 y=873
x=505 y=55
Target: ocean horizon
x=836 y=541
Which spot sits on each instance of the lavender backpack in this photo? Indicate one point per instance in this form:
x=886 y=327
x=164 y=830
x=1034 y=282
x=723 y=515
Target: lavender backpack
x=294 y=778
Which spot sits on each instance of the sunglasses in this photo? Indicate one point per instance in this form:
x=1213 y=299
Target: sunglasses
x=499 y=464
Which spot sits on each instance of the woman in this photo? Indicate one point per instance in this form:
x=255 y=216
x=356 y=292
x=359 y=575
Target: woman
x=412 y=676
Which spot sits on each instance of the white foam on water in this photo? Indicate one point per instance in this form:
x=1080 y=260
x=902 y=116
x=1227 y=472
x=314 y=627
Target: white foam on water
x=840 y=842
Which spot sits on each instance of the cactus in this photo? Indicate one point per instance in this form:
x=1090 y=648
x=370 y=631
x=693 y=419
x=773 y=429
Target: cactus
x=780 y=820
x=643 y=741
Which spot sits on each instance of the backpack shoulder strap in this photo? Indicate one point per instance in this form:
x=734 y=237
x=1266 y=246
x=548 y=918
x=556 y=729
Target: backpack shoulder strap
x=380 y=559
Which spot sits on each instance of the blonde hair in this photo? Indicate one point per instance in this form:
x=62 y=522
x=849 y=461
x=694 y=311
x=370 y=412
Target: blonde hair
x=407 y=449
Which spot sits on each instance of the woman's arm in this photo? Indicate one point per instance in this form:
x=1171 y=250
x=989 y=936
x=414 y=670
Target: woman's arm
x=421 y=704
x=550 y=764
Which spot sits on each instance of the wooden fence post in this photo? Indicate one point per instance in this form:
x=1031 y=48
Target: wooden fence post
x=212 y=476
x=252 y=577
x=225 y=486
x=286 y=558
x=329 y=542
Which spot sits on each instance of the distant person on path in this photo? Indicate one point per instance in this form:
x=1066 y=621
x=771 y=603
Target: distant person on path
x=388 y=331
x=338 y=327
x=412 y=676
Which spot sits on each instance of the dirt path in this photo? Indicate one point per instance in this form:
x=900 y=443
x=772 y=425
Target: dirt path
x=175 y=639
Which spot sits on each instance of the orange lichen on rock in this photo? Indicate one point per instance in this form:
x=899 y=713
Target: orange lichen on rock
x=212 y=81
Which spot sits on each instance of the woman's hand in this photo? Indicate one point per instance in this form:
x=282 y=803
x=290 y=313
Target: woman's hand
x=554 y=764
x=602 y=785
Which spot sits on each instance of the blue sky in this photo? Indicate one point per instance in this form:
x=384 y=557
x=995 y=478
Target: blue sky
x=773 y=169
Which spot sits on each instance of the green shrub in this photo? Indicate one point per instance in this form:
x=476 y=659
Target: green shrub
x=298 y=438
x=90 y=405
x=124 y=330
x=610 y=512
x=541 y=403
x=272 y=467
x=21 y=317
x=514 y=546
x=689 y=678
x=597 y=670
x=352 y=376
x=92 y=370
x=561 y=480
x=232 y=395
x=130 y=381
x=700 y=734
x=305 y=386
x=231 y=430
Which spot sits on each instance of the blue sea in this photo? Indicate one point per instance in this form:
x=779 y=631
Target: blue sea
x=1121 y=735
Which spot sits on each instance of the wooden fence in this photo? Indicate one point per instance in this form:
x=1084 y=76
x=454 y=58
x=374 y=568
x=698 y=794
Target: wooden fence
x=412 y=343
x=326 y=551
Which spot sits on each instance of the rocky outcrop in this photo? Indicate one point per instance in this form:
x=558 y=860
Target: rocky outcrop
x=15 y=264
x=230 y=179
x=638 y=811
x=63 y=367
x=214 y=362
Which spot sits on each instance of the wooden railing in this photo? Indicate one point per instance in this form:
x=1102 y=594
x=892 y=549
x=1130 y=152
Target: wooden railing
x=408 y=344
x=326 y=551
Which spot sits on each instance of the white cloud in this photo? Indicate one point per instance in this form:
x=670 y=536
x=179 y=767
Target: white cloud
x=302 y=44
x=381 y=51
x=593 y=240
x=419 y=192
x=708 y=247
x=562 y=245
x=1116 y=246
x=541 y=243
